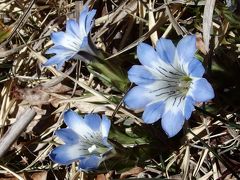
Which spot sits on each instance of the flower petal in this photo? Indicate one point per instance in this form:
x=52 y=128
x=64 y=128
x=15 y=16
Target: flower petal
x=105 y=126
x=90 y=163
x=188 y=107
x=93 y=121
x=76 y=123
x=147 y=55
x=186 y=48
x=195 y=68
x=72 y=28
x=67 y=40
x=172 y=122
x=138 y=97
x=60 y=50
x=67 y=135
x=85 y=21
x=166 y=50
x=89 y=20
x=60 y=65
x=66 y=154
x=58 y=37
x=86 y=46
x=56 y=60
x=201 y=90
x=153 y=112
x=140 y=75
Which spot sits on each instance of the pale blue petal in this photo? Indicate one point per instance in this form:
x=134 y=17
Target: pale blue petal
x=186 y=48
x=66 y=154
x=105 y=143
x=140 y=75
x=58 y=37
x=72 y=28
x=195 y=68
x=67 y=135
x=147 y=55
x=166 y=50
x=83 y=14
x=60 y=65
x=93 y=121
x=59 y=49
x=71 y=118
x=172 y=122
x=77 y=123
x=153 y=112
x=89 y=20
x=82 y=21
x=85 y=47
x=57 y=59
x=105 y=126
x=201 y=90
x=138 y=97
x=188 y=107
x=90 y=163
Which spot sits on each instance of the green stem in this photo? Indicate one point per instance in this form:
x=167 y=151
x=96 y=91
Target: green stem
x=112 y=72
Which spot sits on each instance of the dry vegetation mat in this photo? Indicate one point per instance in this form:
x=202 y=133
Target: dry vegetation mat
x=119 y=89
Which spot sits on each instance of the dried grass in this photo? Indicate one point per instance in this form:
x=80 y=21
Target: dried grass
x=119 y=27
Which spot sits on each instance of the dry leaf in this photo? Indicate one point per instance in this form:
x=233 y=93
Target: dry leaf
x=132 y=172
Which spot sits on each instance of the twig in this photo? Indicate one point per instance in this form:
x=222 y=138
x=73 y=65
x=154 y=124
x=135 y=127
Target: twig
x=15 y=130
x=224 y=121
x=11 y=172
x=220 y=158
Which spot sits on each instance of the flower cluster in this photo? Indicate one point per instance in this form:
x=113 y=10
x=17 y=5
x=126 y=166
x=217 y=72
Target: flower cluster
x=169 y=82
x=85 y=140
x=68 y=44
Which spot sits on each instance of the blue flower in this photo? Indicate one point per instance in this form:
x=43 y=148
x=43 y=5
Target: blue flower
x=68 y=44
x=169 y=83
x=85 y=140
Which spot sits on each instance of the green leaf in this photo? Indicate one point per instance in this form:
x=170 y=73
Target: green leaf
x=5 y=32
x=110 y=73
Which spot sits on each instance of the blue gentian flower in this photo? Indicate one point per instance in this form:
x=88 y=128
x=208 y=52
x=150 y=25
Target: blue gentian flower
x=169 y=83
x=85 y=140
x=68 y=44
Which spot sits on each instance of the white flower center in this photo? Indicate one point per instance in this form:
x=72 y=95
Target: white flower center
x=92 y=148
x=184 y=84
x=97 y=149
